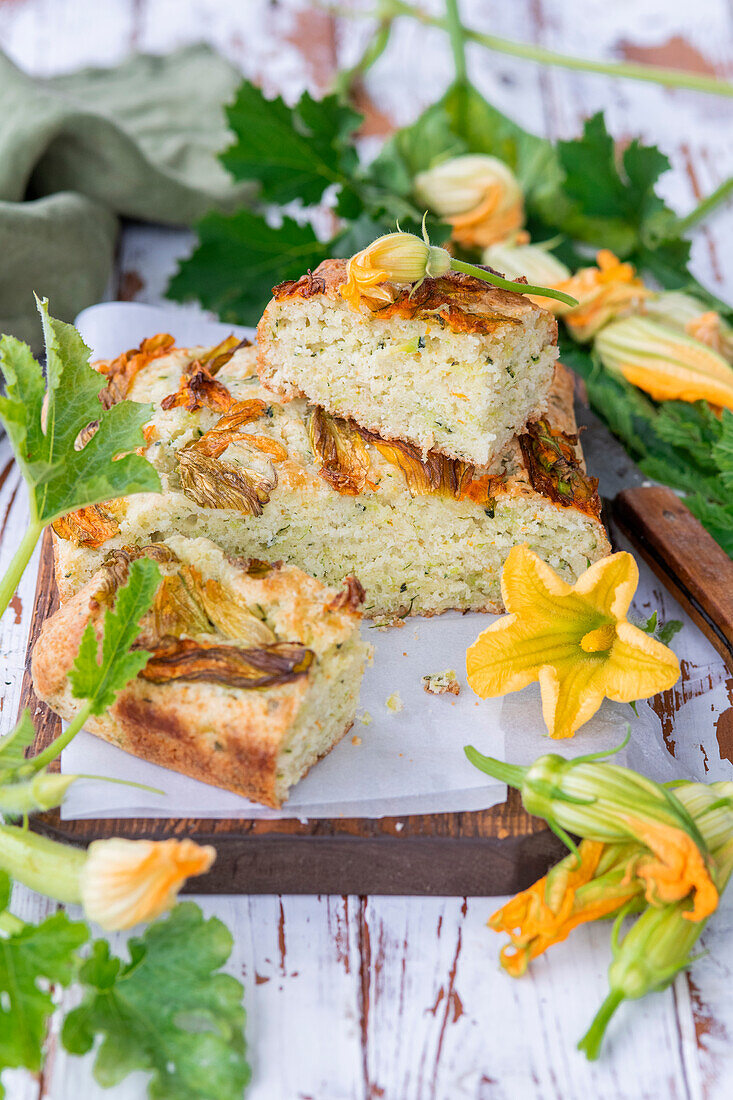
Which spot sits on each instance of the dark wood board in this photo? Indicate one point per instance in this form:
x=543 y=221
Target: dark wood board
x=688 y=560
x=495 y=851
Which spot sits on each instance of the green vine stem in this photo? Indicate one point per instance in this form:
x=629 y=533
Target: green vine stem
x=456 y=31
x=509 y=284
x=345 y=79
x=652 y=74
x=11 y=580
x=52 y=751
x=707 y=205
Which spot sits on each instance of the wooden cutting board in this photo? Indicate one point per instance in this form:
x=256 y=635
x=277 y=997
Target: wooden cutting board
x=495 y=851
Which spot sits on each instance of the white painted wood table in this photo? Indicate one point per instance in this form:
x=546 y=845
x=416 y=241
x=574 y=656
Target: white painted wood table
x=402 y=998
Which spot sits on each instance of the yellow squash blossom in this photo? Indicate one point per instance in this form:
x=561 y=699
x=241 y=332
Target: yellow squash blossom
x=575 y=891
x=478 y=195
x=611 y=289
x=574 y=639
x=664 y=362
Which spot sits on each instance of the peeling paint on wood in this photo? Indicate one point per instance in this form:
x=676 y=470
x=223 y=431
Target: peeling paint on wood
x=674 y=53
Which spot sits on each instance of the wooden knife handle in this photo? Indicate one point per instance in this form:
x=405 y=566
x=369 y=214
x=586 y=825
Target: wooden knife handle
x=684 y=556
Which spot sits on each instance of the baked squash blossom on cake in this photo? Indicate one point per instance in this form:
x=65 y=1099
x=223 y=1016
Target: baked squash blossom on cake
x=575 y=640
x=292 y=482
x=413 y=345
x=253 y=671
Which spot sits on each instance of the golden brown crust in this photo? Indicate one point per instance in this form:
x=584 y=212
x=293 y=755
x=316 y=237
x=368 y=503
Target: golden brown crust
x=224 y=736
x=462 y=303
x=229 y=739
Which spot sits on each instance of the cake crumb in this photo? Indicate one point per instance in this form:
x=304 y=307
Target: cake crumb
x=441 y=683
x=394 y=703
x=386 y=622
x=365 y=718
x=355 y=740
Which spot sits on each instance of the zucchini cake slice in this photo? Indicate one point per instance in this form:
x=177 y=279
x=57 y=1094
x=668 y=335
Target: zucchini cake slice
x=457 y=366
x=291 y=482
x=254 y=671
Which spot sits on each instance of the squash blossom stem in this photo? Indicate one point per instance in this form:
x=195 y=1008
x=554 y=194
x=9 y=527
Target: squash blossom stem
x=55 y=748
x=509 y=284
x=15 y=570
x=345 y=79
x=657 y=946
x=512 y=774
x=41 y=864
x=706 y=206
x=457 y=39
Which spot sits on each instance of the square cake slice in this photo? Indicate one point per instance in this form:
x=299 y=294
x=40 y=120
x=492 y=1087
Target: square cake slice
x=254 y=674
x=457 y=366
x=289 y=481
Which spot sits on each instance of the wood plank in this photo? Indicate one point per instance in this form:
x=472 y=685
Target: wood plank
x=687 y=560
x=450 y=1023
x=298 y=958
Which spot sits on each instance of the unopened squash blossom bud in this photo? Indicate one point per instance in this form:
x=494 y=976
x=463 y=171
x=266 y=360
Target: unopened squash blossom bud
x=684 y=311
x=664 y=362
x=660 y=943
x=28 y=796
x=478 y=195
x=601 y=882
x=608 y=803
x=118 y=882
x=404 y=259
x=401 y=258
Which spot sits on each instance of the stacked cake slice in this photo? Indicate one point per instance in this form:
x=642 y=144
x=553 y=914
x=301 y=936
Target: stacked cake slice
x=337 y=490
x=455 y=366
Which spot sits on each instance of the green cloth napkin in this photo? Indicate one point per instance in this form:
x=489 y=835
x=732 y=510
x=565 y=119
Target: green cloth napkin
x=78 y=150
